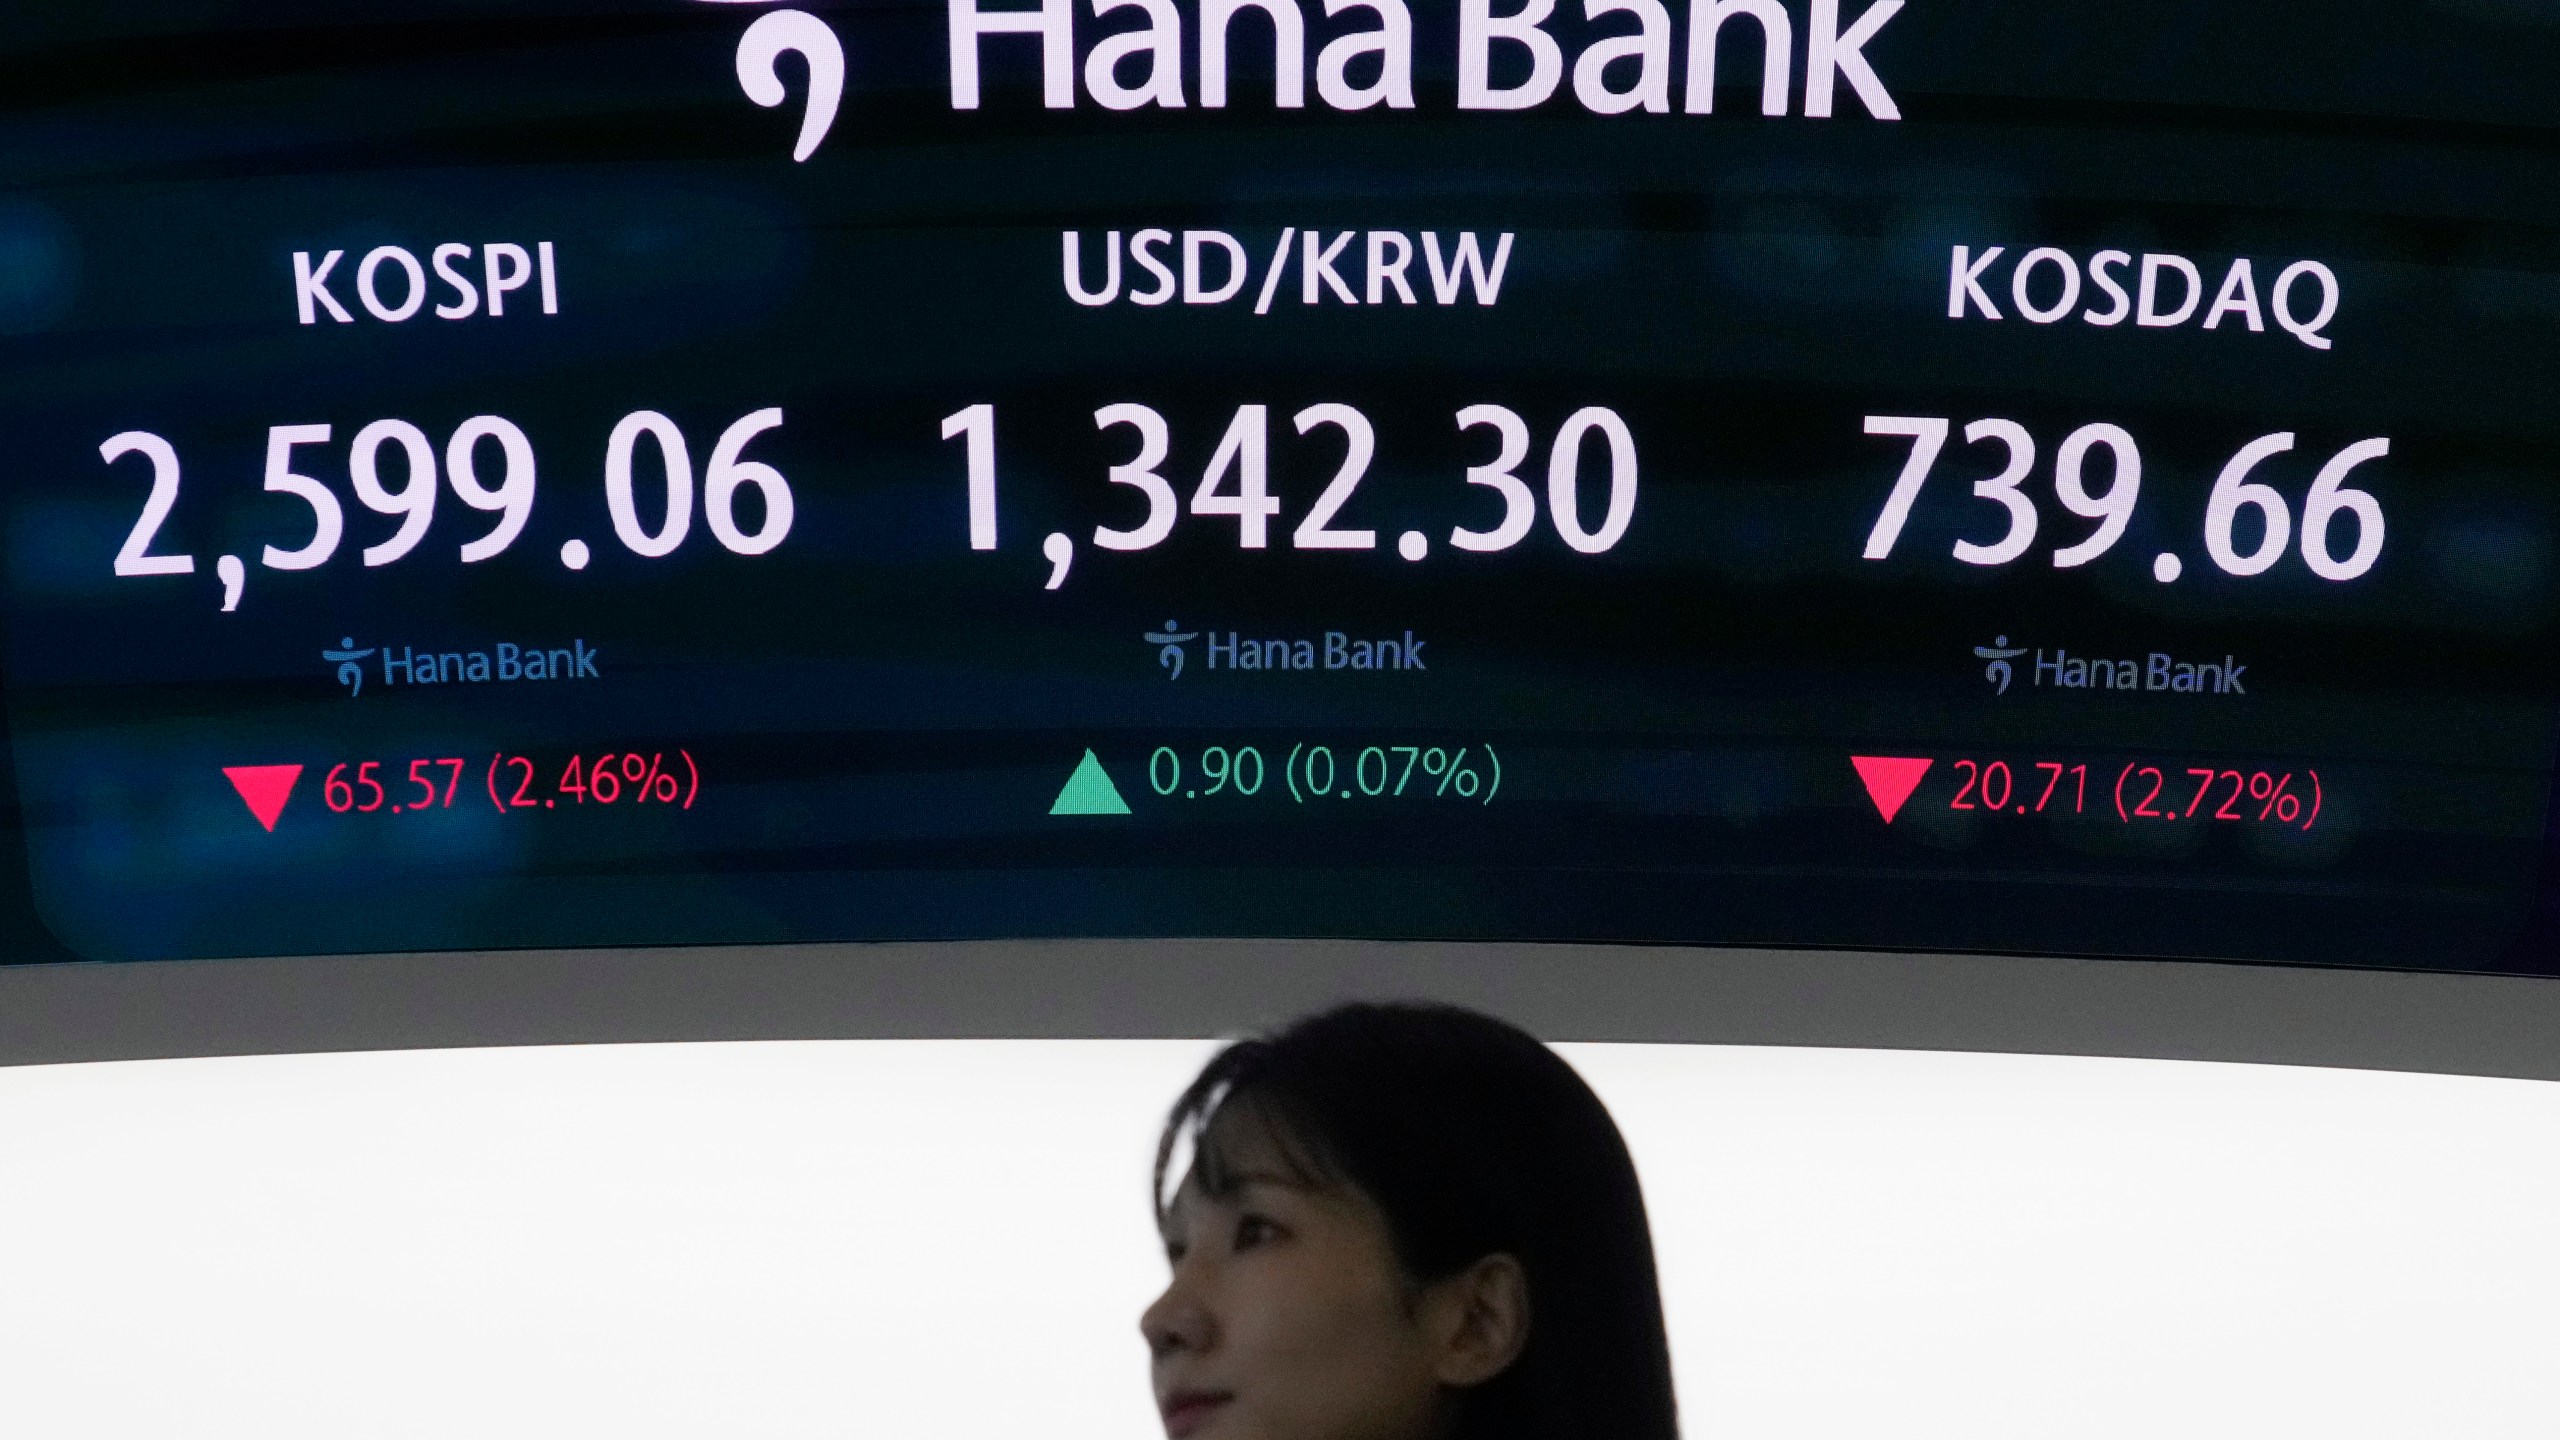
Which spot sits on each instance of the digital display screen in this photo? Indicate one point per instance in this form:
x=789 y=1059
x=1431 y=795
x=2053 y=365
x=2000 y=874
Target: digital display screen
x=1956 y=474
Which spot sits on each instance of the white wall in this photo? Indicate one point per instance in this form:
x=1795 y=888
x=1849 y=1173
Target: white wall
x=944 y=1239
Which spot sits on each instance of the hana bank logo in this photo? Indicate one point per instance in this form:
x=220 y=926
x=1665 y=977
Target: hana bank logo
x=1169 y=643
x=814 y=41
x=350 y=671
x=1998 y=672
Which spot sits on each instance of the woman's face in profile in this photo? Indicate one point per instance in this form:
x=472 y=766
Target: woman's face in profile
x=1289 y=1317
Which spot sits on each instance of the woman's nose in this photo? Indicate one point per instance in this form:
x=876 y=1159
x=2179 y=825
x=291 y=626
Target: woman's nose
x=1177 y=1321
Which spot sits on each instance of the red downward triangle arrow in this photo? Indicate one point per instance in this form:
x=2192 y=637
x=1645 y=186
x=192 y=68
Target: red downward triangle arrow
x=264 y=788
x=1890 y=780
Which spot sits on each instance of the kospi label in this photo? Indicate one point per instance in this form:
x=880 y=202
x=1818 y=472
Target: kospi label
x=391 y=285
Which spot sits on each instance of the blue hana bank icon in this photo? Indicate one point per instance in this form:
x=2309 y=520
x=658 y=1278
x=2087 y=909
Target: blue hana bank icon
x=1999 y=654
x=345 y=657
x=1169 y=643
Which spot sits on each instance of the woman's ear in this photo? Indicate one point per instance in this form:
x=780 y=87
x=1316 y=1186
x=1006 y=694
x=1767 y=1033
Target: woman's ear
x=1483 y=1312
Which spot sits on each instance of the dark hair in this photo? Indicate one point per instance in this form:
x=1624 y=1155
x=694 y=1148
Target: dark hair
x=1474 y=1139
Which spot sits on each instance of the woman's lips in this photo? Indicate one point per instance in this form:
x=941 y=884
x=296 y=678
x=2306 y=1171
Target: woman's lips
x=1185 y=1411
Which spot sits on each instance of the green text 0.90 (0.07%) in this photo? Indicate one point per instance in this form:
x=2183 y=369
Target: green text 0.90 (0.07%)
x=1470 y=773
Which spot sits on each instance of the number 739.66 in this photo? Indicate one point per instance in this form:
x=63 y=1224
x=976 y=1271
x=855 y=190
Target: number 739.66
x=2324 y=505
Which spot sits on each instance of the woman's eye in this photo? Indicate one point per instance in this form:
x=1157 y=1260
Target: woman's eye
x=1252 y=1230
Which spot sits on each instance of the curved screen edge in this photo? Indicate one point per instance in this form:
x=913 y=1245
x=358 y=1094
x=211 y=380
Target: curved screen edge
x=2453 y=1024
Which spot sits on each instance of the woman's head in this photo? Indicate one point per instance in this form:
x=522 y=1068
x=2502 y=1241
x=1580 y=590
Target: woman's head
x=1399 y=1222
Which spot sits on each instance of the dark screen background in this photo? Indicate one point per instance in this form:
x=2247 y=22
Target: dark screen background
x=881 y=718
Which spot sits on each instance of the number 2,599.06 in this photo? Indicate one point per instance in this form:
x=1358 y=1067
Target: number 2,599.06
x=465 y=470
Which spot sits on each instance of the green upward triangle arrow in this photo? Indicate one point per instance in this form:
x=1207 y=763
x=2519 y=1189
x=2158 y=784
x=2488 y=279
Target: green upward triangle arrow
x=1089 y=791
